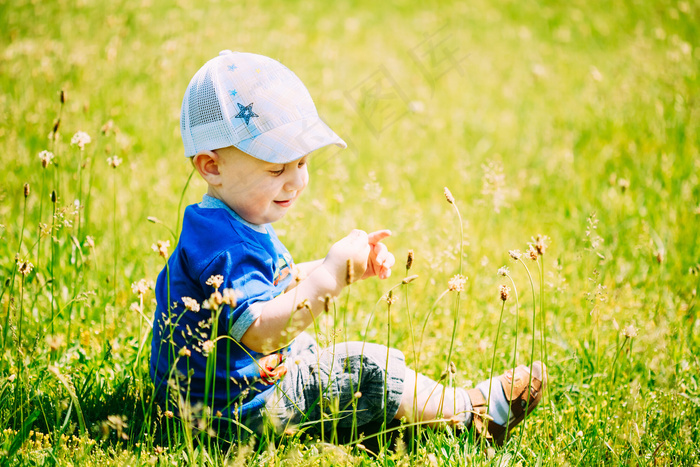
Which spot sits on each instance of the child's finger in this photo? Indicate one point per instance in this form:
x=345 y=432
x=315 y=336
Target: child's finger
x=378 y=236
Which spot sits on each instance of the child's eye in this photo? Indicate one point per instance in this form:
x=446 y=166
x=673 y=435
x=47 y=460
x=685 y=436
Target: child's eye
x=302 y=164
x=276 y=173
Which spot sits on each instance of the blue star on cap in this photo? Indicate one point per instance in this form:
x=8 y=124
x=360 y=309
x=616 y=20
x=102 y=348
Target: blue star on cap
x=232 y=67
x=233 y=92
x=246 y=112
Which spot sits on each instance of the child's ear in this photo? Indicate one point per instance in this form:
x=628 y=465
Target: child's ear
x=207 y=164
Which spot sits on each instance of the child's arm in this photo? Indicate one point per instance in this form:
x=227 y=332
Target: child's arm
x=284 y=317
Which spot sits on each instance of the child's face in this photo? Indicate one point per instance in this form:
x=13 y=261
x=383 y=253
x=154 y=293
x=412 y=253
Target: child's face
x=258 y=191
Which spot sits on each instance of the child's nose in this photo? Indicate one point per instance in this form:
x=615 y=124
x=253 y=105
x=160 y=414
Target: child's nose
x=297 y=179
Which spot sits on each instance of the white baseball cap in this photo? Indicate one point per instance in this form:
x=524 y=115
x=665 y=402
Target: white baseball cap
x=254 y=103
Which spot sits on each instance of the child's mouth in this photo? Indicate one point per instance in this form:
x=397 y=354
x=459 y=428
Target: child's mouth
x=284 y=204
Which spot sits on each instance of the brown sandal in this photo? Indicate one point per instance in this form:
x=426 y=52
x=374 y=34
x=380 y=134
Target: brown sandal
x=514 y=387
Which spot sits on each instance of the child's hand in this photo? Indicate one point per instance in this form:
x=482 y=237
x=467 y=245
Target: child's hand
x=380 y=259
x=355 y=249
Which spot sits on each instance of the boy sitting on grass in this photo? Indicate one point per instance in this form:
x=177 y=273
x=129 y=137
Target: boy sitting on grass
x=228 y=332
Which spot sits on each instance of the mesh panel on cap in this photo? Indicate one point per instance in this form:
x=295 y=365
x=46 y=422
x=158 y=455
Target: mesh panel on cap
x=204 y=121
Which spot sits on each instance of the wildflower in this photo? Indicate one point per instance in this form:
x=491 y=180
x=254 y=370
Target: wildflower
x=448 y=196
x=629 y=332
x=230 y=297
x=26 y=190
x=453 y=368
x=190 y=304
x=90 y=241
x=169 y=414
x=25 y=267
x=504 y=291
x=358 y=394
x=541 y=242
x=390 y=298
x=515 y=254
x=46 y=158
x=114 y=161
x=503 y=271
x=532 y=253
x=624 y=184
x=161 y=247
x=140 y=288
x=107 y=127
x=456 y=284
x=135 y=307
x=184 y=352
x=214 y=301
x=298 y=273
x=409 y=260
x=80 y=139
x=207 y=347
x=215 y=281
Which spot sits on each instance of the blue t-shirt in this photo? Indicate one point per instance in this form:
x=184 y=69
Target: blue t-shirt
x=255 y=264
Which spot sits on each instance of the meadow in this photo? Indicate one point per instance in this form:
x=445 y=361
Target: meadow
x=578 y=121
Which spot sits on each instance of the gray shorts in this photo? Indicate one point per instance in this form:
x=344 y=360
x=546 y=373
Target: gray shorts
x=350 y=382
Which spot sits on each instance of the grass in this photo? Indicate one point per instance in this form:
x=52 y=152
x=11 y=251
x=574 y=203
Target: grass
x=574 y=120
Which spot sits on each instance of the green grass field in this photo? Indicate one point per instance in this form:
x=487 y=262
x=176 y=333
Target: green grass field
x=575 y=120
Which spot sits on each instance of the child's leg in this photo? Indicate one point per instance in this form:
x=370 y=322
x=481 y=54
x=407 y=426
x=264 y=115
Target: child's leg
x=425 y=400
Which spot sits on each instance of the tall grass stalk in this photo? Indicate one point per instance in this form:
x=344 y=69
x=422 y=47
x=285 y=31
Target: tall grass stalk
x=493 y=367
x=451 y=201
x=515 y=346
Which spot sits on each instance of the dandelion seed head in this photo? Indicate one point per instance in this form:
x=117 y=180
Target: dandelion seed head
x=456 y=283
x=46 y=158
x=80 y=139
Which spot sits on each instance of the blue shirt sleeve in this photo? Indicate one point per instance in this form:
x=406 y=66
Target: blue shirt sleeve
x=249 y=271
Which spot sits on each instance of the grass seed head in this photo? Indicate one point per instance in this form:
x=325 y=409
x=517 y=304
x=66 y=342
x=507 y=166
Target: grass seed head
x=448 y=196
x=26 y=190
x=215 y=281
x=161 y=247
x=456 y=284
x=46 y=158
x=114 y=161
x=504 y=290
x=409 y=260
x=349 y=272
x=532 y=253
x=503 y=271
x=80 y=139
x=190 y=304
x=515 y=254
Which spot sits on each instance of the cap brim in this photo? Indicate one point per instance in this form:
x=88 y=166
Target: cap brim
x=291 y=141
